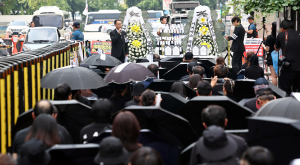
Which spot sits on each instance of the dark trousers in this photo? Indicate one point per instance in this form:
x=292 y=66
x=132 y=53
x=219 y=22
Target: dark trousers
x=287 y=79
x=237 y=61
x=121 y=58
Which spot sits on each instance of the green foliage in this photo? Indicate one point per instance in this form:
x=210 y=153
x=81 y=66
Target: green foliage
x=263 y=6
x=96 y=5
x=150 y=5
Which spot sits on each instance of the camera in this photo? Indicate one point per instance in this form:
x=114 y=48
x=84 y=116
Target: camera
x=283 y=62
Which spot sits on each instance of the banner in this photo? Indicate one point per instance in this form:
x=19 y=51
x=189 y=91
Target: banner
x=105 y=46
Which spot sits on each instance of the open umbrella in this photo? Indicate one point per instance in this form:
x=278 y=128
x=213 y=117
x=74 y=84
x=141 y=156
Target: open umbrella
x=75 y=77
x=168 y=151
x=79 y=154
x=24 y=120
x=280 y=135
x=172 y=101
x=165 y=124
x=73 y=115
x=128 y=72
x=236 y=114
x=102 y=60
x=285 y=107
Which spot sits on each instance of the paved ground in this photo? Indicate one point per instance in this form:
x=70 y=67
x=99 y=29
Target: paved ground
x=96 y=36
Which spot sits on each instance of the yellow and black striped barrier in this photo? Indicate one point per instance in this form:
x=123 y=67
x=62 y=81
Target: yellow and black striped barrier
x=20 y=83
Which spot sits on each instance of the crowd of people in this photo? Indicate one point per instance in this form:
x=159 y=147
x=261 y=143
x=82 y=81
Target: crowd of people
x=79 y=124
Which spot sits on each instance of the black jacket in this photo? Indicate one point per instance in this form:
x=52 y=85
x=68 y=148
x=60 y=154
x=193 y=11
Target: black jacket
x=254 y=71
x=238 y=39
x=118 y=47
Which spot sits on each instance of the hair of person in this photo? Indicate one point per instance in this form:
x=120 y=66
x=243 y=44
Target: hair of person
x=119 y=88
x=62 y=92
x=162 y=18
x=102 y=110
x=220 y=61
x=146 y=156
x=153 y=68
x=236 y=18
x=228 y=85
x=266 y=97
x=204 y=88
x=178 y=87
x=194 y=80
x=191 y=69
x=287 y=24
x=31 y=22
x=137 y=98
x=76 y=94
x=199 y=70
x=274 y=25
x=156 y=56
x=221 y=71
x=148 y=98
x=258 y=155
x=249 y=54
x=43 y=107
x=86 y=92
x=126 y=127
x=6 y=160
x=214 y=115
x=44 y=128
x=115 y=22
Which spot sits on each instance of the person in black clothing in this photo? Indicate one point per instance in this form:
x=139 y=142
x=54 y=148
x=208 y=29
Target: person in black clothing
x=148 y=98
x=119 y=43
x=76 y=95
x=228 y=88
x=254 y=71
x=253 y=103
x=204 y=88
x=237 y=46
x=137 y=91
x=257 y=155
x=199 y=70
x=269 y=47
x=188 y=57
x=189 y=70
x=42 y=107
x=215 y=115
x=101 y=112
x=247 y=60
x=154 y=69
x=193 y=82
x=178 y=87
x=118 y=99
x=288 y=40
x=221 y=71
x=252 y=31
x=146 y=155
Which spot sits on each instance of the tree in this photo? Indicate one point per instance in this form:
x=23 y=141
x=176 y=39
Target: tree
x=96 y=5
x=263 y=6
x=150 y=5
x=131 y=3
x=76 y=5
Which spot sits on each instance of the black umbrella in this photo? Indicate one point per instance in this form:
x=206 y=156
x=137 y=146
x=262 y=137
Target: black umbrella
x=236 y=113
x=79 y=154
x=285 y=107
x=168 y=151
x=24 y=120
x=103 y=60
x=172 y=101
x=280 y=135
x=75 y=77
x=73 y=115
x=128 y=72
x=165 y=124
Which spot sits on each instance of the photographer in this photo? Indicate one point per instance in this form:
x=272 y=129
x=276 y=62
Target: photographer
x=288 y=40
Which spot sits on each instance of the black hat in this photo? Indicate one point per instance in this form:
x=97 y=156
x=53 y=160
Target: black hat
x=76 y=24
x=216 y=145
x=111 y=151
x=264 y=91
x=138 y=89
x=250 y=17
x=33 y=152
x=188 y=56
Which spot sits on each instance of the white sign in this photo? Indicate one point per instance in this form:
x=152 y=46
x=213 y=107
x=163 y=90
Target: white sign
x=166 y=4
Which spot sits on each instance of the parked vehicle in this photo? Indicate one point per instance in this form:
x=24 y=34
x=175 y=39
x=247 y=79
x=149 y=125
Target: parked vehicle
x=39 y=37
x=108 y=28
x=17 y=28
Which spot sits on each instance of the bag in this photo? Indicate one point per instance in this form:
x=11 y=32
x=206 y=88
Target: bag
x=274 y=56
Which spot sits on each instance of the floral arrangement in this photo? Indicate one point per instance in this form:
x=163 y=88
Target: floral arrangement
x=137 y=43
x=204 y=36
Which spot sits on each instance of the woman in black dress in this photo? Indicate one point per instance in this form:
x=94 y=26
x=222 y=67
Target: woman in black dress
x=269 y=47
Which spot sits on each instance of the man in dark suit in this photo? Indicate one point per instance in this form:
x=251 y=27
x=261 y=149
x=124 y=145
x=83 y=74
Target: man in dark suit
x=237 y=46
x=119 y=48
